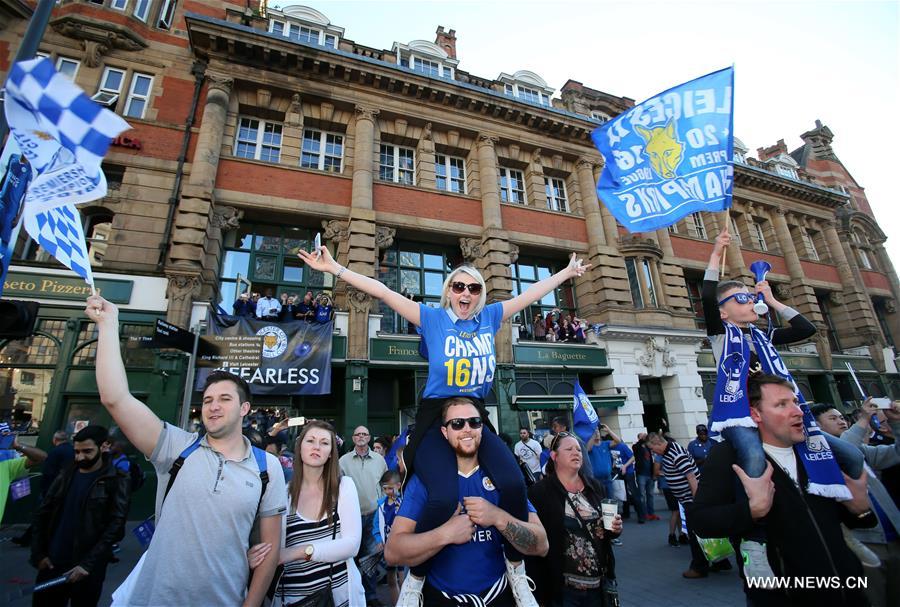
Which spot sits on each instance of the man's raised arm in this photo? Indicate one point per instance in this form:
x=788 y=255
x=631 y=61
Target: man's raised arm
x=141 y=426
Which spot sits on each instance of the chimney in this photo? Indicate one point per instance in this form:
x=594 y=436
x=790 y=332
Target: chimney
x=772 y=151
x=820 y=139
x=446 y=40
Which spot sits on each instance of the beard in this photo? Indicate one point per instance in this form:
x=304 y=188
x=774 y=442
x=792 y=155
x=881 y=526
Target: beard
x=87 y=464
x=467 y=452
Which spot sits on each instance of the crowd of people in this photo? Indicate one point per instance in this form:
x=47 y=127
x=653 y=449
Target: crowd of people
x=452 y=514
x=311 y=308
x=556 y=327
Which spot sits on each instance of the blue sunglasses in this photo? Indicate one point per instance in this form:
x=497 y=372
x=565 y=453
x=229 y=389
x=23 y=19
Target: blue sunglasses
x=740 y=297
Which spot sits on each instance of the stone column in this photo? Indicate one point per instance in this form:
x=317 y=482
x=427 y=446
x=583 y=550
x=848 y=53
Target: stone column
x=584 y=167
x=425 y=159
x=858 y=323
x=803 y=298
x=191 y=264
x=884 y=262
x=534 y=178
x=490 y=181
x=363 y=157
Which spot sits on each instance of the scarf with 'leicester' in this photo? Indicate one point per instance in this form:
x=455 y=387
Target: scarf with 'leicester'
x=822 y=469
x=731 y=407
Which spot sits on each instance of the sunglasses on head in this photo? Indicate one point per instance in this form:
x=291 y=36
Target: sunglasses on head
x=458 y=423
x=556 y=439
x=459 y=287
x=740 y=297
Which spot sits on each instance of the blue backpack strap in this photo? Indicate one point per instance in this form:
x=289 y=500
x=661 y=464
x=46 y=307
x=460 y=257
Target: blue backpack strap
x=260 y=456
x=178 y=463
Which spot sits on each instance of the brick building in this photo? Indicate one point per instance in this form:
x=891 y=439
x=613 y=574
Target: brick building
x=254 y=129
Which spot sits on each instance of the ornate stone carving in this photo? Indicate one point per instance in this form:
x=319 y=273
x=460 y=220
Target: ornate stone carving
x=97 y=37
x=384 y=237
x=219 y=81
x=263 y=98
x=182 y=286
x=93 y=52
x=890 y=306
x=471 y=249
x=536 y=158
x=366 y=113
x=836 y=297
x=782 y=291
x=296 y=104
x=651 y=347
x=336 y=230
x=426 y=132
x=359 y=301
x=588 y=163
x=226 y=218
x=487 y=139
x=513 y=253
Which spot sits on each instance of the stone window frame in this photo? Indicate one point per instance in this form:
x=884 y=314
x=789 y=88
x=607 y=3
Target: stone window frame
x=505 y=173
x=259 y=142
x=61 y=59
x=539 y=269
x=397 y=151
x=322 y=152
x=527 y=93
x=446 y=162
x=696 y=226
x=134 y=96
x=735 y=230
x=114 y=94
x=600 y=116
x=809 y=244
x=166 y=11
x=638 y=277
x=758 y=235
x=322 y=36
x=556 y=202
x=146 y=4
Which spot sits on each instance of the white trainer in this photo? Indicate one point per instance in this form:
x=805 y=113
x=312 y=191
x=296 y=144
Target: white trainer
x=521 y=585
x=756 y=561
x=411 y=592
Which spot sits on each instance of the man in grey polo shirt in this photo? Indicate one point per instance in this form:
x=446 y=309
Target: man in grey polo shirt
x=198 y=555
x=365 y=467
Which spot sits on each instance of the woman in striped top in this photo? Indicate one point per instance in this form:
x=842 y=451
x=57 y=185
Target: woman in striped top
x=323 y=505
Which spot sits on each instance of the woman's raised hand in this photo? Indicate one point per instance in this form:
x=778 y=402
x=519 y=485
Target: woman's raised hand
x=321 y=263
x=577 y=267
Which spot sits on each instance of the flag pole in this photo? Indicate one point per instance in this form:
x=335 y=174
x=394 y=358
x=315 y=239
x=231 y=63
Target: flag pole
x=725 y=250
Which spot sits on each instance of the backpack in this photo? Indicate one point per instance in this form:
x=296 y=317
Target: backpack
x=258 y=454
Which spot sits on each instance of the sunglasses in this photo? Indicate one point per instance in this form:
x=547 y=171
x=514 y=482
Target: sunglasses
x=741 y=298
x=458 y=423
x=556 y=439
x=459 y=287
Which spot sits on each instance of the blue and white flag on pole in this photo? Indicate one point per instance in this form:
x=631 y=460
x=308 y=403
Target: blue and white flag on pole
x=584 y=417
x=671 y=155
x=59 y=232
x=63 y=133
x=12 y=197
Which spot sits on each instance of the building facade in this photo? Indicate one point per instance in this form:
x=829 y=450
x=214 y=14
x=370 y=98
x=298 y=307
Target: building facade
x=254 y=129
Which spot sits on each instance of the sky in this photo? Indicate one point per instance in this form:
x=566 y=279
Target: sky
x=795 y=62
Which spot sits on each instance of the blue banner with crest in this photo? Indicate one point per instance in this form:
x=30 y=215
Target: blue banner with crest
x=671 y=155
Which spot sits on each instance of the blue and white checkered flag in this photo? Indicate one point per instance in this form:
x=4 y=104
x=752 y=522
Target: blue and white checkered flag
x=59 y=232
x=64 y=134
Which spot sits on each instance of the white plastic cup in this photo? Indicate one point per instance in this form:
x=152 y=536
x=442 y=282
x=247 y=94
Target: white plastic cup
x=609 y=510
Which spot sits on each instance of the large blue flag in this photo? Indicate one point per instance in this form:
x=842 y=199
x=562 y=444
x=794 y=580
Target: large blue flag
x=671 y=155
x=584 y=417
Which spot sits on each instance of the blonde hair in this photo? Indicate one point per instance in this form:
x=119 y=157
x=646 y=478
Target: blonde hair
x=445 y=300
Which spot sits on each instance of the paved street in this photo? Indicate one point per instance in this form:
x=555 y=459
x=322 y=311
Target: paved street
x=649 y=571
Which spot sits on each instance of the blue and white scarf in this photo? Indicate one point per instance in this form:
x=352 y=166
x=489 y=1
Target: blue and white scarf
x=731 y=406
x=822 y=469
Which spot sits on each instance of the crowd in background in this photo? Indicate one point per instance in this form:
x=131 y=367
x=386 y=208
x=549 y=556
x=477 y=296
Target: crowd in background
x=311 y=308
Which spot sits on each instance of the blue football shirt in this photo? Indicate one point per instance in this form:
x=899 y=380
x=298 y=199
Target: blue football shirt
x=461 y=354
x=462 y=568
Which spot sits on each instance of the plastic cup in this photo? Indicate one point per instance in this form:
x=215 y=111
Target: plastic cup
x=609 y=510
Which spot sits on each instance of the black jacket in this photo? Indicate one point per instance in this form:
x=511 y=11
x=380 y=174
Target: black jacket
x=102 y=519
x=803 y=531
x=548 y=497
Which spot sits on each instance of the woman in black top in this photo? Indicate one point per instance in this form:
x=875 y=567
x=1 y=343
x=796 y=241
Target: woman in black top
x=580 y=555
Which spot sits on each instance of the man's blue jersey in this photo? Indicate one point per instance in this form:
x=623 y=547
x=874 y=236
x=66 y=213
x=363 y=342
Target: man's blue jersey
x=461 y=354
x=472 y=567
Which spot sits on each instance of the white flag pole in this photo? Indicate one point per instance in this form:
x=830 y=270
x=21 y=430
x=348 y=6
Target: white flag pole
x=862 y=392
